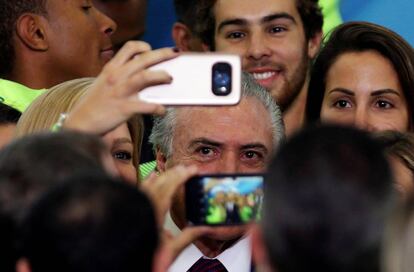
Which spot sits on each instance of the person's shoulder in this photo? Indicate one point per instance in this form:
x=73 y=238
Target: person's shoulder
x=16 y=95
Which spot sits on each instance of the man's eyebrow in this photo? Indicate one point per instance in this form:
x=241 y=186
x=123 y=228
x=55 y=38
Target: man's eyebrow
x=204 y=141
x=238 y=22
x=255 y=146
x=266 y=19
x=279 y=15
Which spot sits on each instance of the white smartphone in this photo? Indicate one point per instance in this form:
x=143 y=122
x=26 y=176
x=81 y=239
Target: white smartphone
x=198 y=79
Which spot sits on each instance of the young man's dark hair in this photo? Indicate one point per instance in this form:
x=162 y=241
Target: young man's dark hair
x=185 y=10
x=183 y=30
x=8 y=115
x=327 y=195
x=309 y=11
x=90 y=223
x=29 y=166
x=10 y=13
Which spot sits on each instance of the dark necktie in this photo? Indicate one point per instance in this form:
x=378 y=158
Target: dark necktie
x=207 y=265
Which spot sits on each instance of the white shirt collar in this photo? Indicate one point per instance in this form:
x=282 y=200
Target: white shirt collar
x=236 y=258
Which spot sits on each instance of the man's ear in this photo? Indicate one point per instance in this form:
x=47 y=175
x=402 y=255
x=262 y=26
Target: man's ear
x=181 y=36
x=259 y=252
x=30 y=30
x=22 y=265
x=314 y=44
x=161 y=160
x=185 y=39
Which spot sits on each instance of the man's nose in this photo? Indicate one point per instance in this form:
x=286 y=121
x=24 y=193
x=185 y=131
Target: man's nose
x=107 y=25
x=229 y=164
x=258 y=47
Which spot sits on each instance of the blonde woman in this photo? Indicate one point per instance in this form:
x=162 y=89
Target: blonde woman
x=124 y=141
x=103 y=105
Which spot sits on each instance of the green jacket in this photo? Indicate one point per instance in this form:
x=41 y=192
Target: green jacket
x=17 y=95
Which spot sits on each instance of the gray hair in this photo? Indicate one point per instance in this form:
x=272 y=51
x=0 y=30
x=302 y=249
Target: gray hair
x=163 y=130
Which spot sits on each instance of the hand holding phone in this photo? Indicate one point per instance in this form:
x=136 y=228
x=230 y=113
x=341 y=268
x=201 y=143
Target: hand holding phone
x=218 y=200
x=110 y=100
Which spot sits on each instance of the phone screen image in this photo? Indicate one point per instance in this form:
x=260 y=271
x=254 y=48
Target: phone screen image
x=224 y=200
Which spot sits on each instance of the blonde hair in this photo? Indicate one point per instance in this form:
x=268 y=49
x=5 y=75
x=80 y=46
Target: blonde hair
x=46 y=109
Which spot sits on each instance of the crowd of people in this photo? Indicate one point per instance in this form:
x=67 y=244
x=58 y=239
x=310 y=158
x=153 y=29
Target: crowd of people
x=92 y=178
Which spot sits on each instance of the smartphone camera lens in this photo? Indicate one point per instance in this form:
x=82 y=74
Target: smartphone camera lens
x=221 y=78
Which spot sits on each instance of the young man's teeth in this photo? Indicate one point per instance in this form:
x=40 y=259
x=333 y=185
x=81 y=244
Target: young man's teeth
x=261 y=76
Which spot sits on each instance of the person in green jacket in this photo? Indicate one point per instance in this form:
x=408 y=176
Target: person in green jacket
x=44 y=43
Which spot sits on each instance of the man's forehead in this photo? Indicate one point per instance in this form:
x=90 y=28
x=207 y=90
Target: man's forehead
x=203 y=117
x=245 y=121
x=86 y=2
x=250 y=10
x=53 y=3
x=203 y=110
x=247 y=105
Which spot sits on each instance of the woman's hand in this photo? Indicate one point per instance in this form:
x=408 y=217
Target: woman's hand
x=170 y=247
x=112 y=98
x=162 y=188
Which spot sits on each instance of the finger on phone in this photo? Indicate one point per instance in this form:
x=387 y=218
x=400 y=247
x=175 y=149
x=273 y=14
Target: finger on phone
x=179 y=175
x=142 y=61
x=140 y=107
x=151 y=58
x=128 y=51
x=143 y=80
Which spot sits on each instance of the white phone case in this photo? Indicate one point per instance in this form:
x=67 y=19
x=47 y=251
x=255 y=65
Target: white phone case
x=192 y=81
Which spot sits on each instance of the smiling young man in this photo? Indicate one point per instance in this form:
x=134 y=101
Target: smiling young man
x=277 y=40
x=45 y=42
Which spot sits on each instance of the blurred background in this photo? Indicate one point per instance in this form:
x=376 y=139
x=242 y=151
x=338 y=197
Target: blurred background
x=394 y=14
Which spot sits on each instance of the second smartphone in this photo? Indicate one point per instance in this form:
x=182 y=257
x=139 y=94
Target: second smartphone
x=218 y=200
x=198 y=79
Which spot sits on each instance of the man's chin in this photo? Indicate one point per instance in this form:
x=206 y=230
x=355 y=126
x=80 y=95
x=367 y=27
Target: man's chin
x=227 y=233
x=283 y=97
x=278 y=90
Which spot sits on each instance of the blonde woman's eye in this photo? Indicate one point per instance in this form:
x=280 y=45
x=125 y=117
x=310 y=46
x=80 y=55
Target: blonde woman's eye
x=122 y=155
